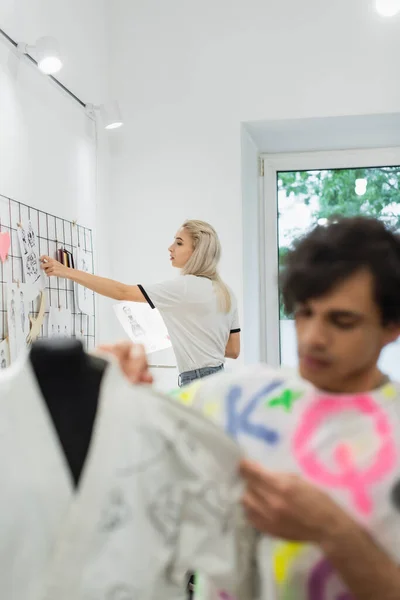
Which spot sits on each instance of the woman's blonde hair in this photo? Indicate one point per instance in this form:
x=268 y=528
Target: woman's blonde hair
x=205 y=258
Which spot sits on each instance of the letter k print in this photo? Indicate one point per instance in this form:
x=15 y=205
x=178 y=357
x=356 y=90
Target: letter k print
x=239 y=419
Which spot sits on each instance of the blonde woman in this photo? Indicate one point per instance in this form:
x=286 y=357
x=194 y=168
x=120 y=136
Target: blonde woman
x=198 y=308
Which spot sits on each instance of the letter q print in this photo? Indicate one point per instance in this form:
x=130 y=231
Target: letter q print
x=318 y=584
x=347 y=474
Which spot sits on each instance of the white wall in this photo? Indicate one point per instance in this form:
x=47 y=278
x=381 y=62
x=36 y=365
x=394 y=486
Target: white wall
x=188 y=73
x=47 y=143
x=251 y=338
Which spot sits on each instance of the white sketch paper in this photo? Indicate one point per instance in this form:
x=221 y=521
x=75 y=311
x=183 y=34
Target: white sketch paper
x=59 y=323
x=30 y=256
x=19 y=297
x=143 y=325
x=4 y=354
x=83 y=296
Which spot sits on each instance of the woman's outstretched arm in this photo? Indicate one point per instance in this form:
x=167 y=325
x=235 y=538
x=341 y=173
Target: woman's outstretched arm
x=100 y=285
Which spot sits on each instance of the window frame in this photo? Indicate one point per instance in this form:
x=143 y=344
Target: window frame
x=271 y=165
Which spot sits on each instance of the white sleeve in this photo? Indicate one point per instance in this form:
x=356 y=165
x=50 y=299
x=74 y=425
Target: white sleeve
x=235 y=325
x=166 y=295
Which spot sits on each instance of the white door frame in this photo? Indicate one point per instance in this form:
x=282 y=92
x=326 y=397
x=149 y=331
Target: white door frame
x=271 y=164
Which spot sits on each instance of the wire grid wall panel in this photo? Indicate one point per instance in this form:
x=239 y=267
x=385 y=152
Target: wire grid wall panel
x=51 y=233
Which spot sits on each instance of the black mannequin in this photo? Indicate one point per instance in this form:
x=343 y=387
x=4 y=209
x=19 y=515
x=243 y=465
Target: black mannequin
x=69 y=380
x=396 y=495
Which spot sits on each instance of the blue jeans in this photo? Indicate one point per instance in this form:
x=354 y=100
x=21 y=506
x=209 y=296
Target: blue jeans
x=189 y=376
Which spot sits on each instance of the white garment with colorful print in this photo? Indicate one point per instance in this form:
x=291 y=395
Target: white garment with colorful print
x=348 y=445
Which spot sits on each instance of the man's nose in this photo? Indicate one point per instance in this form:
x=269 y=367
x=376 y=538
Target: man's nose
x=315 y=334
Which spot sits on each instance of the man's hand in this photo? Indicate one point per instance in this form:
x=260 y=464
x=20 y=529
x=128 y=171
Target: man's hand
x=288 y=507
x=132 y=360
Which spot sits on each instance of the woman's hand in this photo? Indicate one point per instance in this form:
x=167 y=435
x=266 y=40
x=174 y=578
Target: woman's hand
x=53 y=268
x=132 y=360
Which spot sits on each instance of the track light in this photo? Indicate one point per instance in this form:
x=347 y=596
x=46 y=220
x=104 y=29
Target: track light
x=388 y=8
x=47 y=53
x=110 y=114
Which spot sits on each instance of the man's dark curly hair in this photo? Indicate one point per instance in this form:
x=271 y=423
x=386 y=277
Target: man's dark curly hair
x=329 y=254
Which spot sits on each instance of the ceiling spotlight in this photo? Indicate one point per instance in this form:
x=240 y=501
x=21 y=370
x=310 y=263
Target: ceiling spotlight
x=110 y=114
x=387 y=8
x=47 y=53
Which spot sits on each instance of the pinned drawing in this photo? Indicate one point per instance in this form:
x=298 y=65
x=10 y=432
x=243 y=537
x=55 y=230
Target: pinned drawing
x=19 y=297
x=23 y=241
x=83 y=296
x=12 y=312
x=30 y=255
x=22 y=309
x=59 y=323
x=36 y=323
x=4 y=354
x=143 y=325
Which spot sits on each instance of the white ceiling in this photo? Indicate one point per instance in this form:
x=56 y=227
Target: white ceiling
x=329 y=133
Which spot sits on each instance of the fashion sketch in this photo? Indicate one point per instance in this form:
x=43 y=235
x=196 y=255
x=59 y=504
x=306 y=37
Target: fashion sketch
x=30 y=255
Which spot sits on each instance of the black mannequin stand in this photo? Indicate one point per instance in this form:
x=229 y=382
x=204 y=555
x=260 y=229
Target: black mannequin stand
x=69 y=380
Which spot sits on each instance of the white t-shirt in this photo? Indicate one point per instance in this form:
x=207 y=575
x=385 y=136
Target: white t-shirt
x=198 y=329
x=346 y=444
